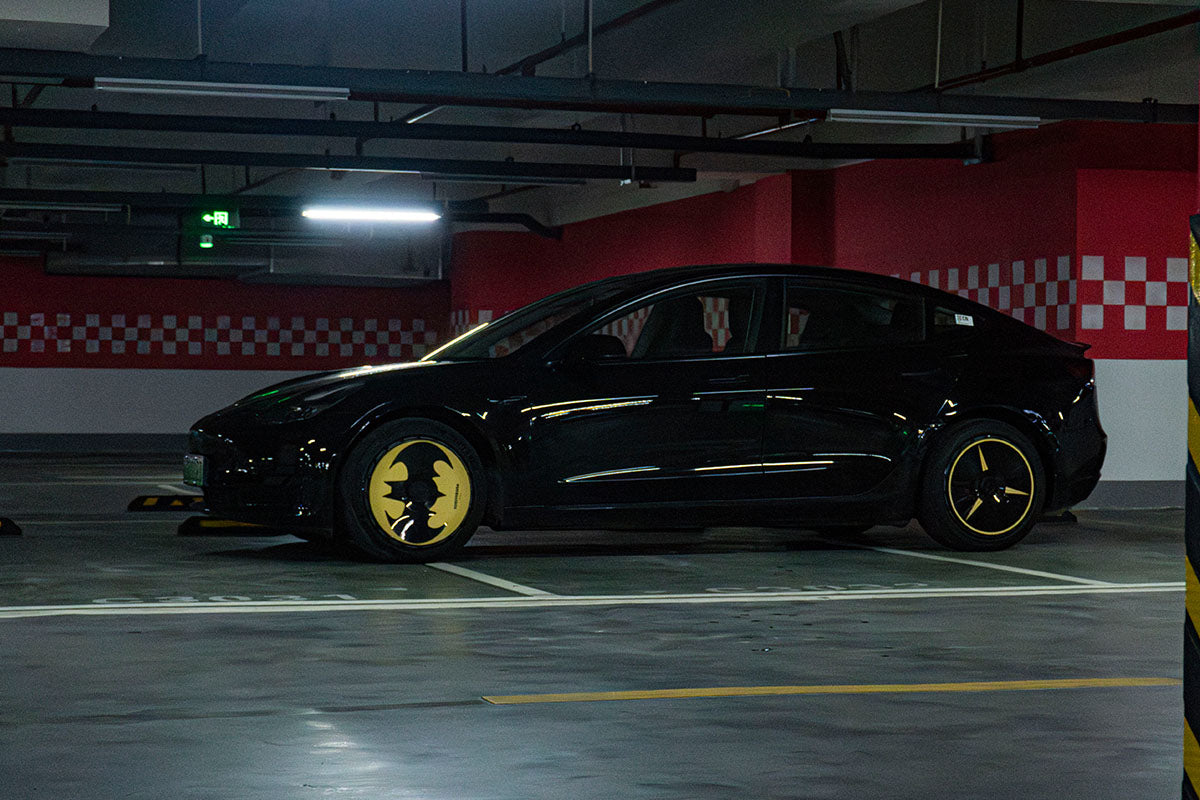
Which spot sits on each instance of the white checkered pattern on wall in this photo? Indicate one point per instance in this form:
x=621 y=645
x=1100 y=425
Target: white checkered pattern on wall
x=716 y=321
x=628 y=328
x=1133 y=293
x=172 y=335
x=1040 y=292
x=463 y=320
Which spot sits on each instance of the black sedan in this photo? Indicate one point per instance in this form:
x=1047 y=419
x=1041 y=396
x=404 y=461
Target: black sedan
x=690 y=397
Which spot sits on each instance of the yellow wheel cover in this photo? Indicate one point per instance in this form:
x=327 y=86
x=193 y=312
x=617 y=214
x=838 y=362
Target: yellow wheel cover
x=990 y=486
x=419 y=492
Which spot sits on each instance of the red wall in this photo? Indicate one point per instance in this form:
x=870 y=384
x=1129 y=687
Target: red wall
x=1132 y=245
x=902 y=216
x=57 y=321
x=1009 y=233
x=813 y=217
x=497 y=271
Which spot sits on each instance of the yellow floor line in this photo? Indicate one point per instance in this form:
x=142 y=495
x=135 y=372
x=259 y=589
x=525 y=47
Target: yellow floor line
x=876 y=688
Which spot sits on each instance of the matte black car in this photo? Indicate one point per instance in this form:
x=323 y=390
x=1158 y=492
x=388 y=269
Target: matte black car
x=690 y=397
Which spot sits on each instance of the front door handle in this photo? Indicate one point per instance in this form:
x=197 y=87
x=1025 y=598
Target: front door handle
x=732 y=380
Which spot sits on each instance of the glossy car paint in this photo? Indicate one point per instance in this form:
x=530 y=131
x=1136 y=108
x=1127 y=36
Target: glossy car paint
x=826 y=436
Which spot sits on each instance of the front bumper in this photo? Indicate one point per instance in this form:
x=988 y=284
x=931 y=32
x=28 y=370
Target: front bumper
x=265 y=477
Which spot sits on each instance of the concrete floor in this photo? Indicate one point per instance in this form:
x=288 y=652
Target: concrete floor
x=137 y=663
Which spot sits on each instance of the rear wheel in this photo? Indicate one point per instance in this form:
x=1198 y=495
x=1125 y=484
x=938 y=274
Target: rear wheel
x=411 y=490
x=983 y=487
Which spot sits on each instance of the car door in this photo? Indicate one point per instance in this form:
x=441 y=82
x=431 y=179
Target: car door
x=660 y=401
x=852 y=379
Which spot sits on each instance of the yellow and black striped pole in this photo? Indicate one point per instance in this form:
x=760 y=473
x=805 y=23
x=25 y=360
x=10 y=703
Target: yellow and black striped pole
x=1191 y=625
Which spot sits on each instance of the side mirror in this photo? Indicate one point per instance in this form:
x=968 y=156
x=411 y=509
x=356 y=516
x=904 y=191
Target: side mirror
x=594 y=347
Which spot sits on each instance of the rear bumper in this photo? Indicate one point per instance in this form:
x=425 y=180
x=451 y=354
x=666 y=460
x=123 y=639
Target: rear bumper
x=1081 y=457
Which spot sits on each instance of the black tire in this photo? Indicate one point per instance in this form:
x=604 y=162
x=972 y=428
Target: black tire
x=983 y=487
x=402 y=491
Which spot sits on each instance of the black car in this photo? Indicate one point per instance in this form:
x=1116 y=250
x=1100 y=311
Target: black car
x=689 y=397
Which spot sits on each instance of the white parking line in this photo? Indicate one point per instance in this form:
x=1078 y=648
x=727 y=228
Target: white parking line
x=1037 y=573
x=180 y=489
x=561 y=601
x=114 y=481
x=34 y=523
x=490 y=580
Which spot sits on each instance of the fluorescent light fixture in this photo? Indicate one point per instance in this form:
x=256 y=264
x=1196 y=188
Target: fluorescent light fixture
x=211 y=89
x=26 y=161
x=366 y=214
x=105 y=208
x=450 y=177
x=366 y=169
x=35 y=236
x=882 y=117
x=502 y=180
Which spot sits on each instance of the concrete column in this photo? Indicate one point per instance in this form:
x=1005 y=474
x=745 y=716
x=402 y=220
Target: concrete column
x=1191 y=641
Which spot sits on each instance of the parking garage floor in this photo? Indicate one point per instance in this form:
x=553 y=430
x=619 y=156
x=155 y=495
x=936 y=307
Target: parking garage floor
x=728 y=663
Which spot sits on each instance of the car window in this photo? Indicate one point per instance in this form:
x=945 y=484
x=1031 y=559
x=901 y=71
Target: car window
x=948 y=323
x=511 y=332
x=523 y=336
x=824 y=317
x=705 y=321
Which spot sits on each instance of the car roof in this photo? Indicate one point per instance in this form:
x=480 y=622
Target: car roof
x=671 y=275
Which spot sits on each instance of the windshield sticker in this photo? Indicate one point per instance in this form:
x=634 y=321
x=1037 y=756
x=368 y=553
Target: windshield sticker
x=964 y=319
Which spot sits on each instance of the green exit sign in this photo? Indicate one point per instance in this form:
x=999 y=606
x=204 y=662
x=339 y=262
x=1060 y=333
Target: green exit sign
x=219 y=218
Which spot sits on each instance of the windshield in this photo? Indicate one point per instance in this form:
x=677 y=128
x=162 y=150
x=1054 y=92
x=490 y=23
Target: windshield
x=511 y=332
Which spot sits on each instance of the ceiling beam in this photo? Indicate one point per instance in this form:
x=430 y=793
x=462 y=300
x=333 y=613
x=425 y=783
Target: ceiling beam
x=449 y=168
x=582 y=94
x=325 y=128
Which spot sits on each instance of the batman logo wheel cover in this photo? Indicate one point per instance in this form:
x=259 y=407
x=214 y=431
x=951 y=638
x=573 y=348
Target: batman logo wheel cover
x=419 y=492
x=990 y=486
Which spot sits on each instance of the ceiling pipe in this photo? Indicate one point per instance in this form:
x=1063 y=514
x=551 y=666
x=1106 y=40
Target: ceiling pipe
x=1020 y=64
x=527 y=65
x=937 y=59
x=589 y=20
x=1019 y=47
x=462 y=25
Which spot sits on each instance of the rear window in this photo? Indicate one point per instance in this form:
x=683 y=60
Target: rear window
x=955 y=323
x=821 y=317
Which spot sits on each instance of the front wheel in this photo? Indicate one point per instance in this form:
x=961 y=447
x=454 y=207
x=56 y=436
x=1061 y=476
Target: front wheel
x=411 y=490
x=983 y=487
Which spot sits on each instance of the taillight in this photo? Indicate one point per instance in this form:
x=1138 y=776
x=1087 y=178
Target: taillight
x=1081 y=368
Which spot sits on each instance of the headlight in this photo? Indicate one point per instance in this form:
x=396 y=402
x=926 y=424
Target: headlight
x=303 y=406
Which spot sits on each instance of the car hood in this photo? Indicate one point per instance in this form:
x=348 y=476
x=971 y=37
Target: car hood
x=321 y=380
